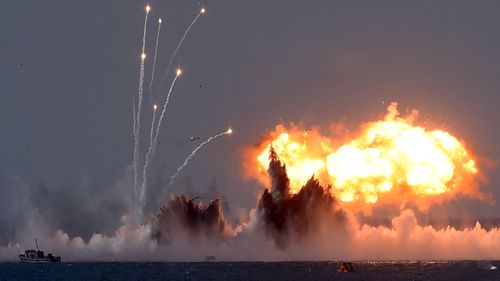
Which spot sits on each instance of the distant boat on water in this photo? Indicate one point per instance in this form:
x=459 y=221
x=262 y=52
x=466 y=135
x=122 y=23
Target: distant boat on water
x=209 y=258
x=38 y=256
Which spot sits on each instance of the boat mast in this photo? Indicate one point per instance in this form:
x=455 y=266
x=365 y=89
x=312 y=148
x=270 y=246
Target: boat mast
x=36 y=242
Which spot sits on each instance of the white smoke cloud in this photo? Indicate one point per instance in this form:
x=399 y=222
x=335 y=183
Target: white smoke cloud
x=354 y=240
x=405 y=240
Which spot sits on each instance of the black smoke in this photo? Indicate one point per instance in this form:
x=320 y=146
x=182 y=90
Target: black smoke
x=199 y=220
x=284 y=215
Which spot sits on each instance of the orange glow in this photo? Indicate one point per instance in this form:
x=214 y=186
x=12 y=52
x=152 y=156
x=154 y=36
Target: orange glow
x=390 y=160
x=294 y=152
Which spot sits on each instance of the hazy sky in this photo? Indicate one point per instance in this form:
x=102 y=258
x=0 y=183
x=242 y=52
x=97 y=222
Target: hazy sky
x=69 y=70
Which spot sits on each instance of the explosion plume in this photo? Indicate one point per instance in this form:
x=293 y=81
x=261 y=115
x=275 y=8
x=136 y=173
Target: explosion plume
x=284 y=214
x=390 y=161
x=185 y=215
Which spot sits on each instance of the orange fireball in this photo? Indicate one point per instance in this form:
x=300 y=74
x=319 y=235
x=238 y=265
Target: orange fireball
x=303 y=153
x=390 y=160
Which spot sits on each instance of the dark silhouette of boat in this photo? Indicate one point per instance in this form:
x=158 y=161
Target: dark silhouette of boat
x=38 y=256
x=345 y=267
x=209 y=258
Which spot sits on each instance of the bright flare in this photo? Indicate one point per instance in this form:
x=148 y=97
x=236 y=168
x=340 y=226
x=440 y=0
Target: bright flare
x=390 y=160
x=143 y=56
x=178 y=72
x=229 y=131
x=190 y=156
x=148 y=8
x=202 y=11
x=155 y=107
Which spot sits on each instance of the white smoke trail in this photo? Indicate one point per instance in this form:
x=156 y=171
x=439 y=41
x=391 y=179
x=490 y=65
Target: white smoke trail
x=133 y=114
x=147 y=162
x=202 y=11
x=134 y=161
x=153 y=144
x=193 y=153
x=137 y=119
x=133 y=134
x=157 y=133
x=154 y=61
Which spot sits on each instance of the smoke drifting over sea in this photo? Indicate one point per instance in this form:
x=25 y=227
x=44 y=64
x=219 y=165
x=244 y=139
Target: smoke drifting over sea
x=307 y=225
x=320 y=194
x=297 y=216
x=310 y=224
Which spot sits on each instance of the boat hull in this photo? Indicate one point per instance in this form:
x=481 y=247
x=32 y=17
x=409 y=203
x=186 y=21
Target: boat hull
x=40 y=260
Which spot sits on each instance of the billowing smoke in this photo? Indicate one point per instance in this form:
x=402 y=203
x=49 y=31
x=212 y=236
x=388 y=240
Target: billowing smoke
x=285 y=215
x=198 y=220
x=282 y=216
x=306 y=225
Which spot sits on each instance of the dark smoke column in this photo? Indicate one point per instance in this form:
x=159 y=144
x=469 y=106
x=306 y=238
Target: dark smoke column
x=286 y=216
x=185 y=216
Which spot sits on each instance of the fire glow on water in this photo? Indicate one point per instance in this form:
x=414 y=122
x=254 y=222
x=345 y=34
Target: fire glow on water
x=389 y=160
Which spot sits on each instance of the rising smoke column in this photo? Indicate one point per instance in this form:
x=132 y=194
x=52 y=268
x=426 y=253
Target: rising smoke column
x=137 y=113
x=283 y=214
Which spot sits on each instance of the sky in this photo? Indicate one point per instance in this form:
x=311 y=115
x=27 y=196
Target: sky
x=69 y=71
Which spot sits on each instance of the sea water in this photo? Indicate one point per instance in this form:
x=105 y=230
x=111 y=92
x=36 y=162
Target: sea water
x=206 y=271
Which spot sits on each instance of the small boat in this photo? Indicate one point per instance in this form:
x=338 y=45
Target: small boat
x=38 y=256
x=345 y=267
